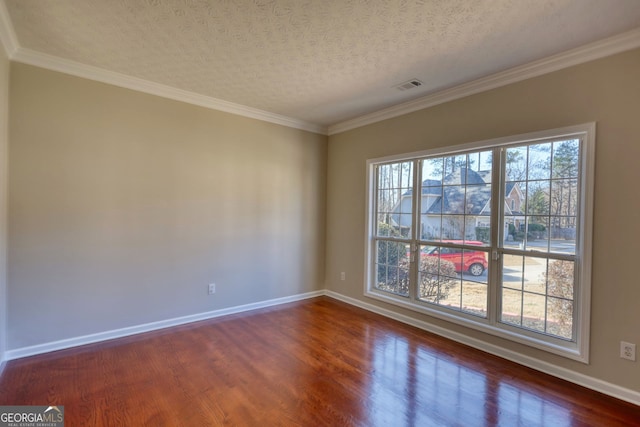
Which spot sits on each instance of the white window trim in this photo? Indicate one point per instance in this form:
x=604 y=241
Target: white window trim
x=578 y=350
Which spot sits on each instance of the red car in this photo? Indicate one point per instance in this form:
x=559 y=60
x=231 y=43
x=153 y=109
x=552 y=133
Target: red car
x=475 y=262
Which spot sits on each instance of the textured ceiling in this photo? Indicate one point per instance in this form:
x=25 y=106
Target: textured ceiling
x=318 y=61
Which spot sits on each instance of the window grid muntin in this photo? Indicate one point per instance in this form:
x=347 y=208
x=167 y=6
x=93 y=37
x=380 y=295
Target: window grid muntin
x=446 y=167
x=457 y=214
x=396 y=266
x=398 y=183
x=576 y=350
x=549 y=253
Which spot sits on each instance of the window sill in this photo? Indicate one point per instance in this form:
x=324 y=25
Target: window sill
x=558 y=347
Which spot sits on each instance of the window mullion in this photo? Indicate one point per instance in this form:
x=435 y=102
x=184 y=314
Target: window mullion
x=374 y=220
x=516 y=284
x=496 y=221
x=415 y=234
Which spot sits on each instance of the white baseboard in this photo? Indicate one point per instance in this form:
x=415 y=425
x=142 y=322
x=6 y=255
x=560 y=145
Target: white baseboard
x=601 y=386
x=147 y=327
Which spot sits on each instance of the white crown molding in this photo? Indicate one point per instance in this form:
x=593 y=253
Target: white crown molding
x=54 y=63
x=7 y=33
x=16 y=53
x=600 y=49
x=596 y=50
x=622 y=393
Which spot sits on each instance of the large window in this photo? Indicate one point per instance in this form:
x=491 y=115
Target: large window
x=494 y=235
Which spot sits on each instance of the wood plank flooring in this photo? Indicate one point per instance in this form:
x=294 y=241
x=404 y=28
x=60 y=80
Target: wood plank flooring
x=317 y=362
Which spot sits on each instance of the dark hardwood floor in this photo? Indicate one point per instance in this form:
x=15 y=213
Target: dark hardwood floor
x=317 y=362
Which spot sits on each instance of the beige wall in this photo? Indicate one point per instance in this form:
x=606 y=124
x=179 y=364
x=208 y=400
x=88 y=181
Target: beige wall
x=4 y=111
x=124 y=206
x=605 y=91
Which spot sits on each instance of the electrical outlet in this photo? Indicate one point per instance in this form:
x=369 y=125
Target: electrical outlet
x=343 y=275
x=212 y=288
x=627 y=350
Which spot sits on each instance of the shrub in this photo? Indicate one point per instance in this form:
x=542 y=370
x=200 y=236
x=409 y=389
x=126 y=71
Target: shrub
x=483 y=234
x=518 y=236
x=391 y=257
x=536 y=231
x=537 y=227
x=560 y=285
x=436 y=279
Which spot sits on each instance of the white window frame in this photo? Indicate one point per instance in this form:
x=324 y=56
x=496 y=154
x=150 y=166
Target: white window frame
x=576 y=350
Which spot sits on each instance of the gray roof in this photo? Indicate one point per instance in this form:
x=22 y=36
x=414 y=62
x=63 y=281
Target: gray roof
x=453 y=200
x=452 y=193
x=464 y=192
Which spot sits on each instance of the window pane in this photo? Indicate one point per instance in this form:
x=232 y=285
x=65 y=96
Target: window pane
x=432 y=171
x=452 y=227
x=392 y=267
x=454 y=165
x=537 y=235
x=437 y=275
x=454 y=293
x=533 y=311
x=435 y=279
x=430 y=259
x=511 y=307
x=560 y=278
x=566 y=246
x=565 y=159
x=539 y=162
x=535 y=230
x=394 y=199
x=537 y=200
x=477 y=208
x=516 y=163
x=474 y=264
x=560 y=317
x=514 y=197
x=563 y=219
x=534 y=275
x=512 y=271
x=474 y=298
x=483 y=229
x=480 y=162
x=564 y=197
x=453 y=201
x=514 y=218
x=431 y=229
